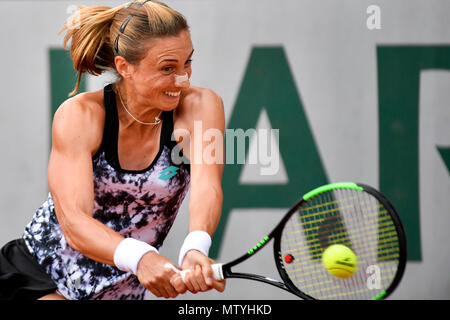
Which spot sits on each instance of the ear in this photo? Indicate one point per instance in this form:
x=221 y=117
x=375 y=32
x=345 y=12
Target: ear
x=123 y=67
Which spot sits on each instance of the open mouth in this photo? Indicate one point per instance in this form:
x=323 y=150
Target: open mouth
x=172 y=94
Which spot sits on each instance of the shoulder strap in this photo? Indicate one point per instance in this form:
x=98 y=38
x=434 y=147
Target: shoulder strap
x=166 y=135
x=167 y=129
x=110 y=131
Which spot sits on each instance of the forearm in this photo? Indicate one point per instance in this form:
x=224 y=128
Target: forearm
x=205 y=208
x=74 y=213
x=92 y=238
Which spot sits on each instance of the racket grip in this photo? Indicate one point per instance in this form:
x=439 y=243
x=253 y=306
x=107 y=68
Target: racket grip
x=216 y=268
x=217 y=271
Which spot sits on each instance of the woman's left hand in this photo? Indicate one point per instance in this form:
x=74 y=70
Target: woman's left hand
x=200 y=278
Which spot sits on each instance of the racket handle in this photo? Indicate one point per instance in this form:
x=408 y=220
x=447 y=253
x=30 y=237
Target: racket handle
x=217 y=271
x=216 y=268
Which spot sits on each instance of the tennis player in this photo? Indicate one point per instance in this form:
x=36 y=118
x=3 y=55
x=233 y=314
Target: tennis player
x=114 y=189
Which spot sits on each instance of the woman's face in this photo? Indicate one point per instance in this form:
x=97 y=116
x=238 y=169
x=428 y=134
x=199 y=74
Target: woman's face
x=154 y=78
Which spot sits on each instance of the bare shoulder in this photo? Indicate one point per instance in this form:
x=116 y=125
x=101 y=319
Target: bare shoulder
x=201 y=104
x=201 y=98
x=79 y=121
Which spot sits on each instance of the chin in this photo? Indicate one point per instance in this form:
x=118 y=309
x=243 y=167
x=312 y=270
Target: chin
x=170 y=103
x=169 y=106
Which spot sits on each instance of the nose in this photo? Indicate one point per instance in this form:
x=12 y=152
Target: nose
x=182 y=81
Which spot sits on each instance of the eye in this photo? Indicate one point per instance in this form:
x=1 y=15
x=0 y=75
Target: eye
x=167 y=69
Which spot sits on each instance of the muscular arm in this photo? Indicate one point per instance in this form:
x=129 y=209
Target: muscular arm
x=206 y=126
x=207 y=161
x=76 y=135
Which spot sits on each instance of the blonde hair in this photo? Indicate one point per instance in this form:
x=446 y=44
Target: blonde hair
x=99 y=33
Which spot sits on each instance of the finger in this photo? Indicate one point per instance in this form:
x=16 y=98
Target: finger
x=200 y=279
x=165 y=286
x=170 y=290
x=191 y=279
x=186 y=278
x=219 y=285
x=175 y=278
x=189 y=285
x=178 y=283
x=208 y=275
x=166 y=289
x=154 y=291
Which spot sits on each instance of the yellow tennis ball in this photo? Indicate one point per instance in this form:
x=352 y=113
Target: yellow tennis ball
x=340 y=261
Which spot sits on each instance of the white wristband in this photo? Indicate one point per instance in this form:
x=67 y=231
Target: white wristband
x=195 y=240
x=129 y=252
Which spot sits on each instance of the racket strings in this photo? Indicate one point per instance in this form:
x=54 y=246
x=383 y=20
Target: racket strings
x=343 y=216
x=384 y=222
x=315 y=245
x=387 y=241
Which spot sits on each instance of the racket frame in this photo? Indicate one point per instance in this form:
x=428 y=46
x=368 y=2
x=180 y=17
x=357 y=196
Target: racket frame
x=276 y=234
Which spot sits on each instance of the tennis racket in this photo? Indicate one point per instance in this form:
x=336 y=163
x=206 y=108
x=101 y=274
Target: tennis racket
x=354 y=215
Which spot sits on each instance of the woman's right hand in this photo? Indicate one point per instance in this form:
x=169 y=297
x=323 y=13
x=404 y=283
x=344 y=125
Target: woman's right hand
x=154 y=274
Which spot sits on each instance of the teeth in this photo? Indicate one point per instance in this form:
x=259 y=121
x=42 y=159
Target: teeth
x=173 y=94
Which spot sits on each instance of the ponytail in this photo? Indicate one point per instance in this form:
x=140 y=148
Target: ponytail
x=90 y=47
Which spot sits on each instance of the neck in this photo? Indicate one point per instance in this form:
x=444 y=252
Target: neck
x=132 y=110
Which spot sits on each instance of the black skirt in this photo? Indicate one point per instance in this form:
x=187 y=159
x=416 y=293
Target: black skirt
x=21 y=277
